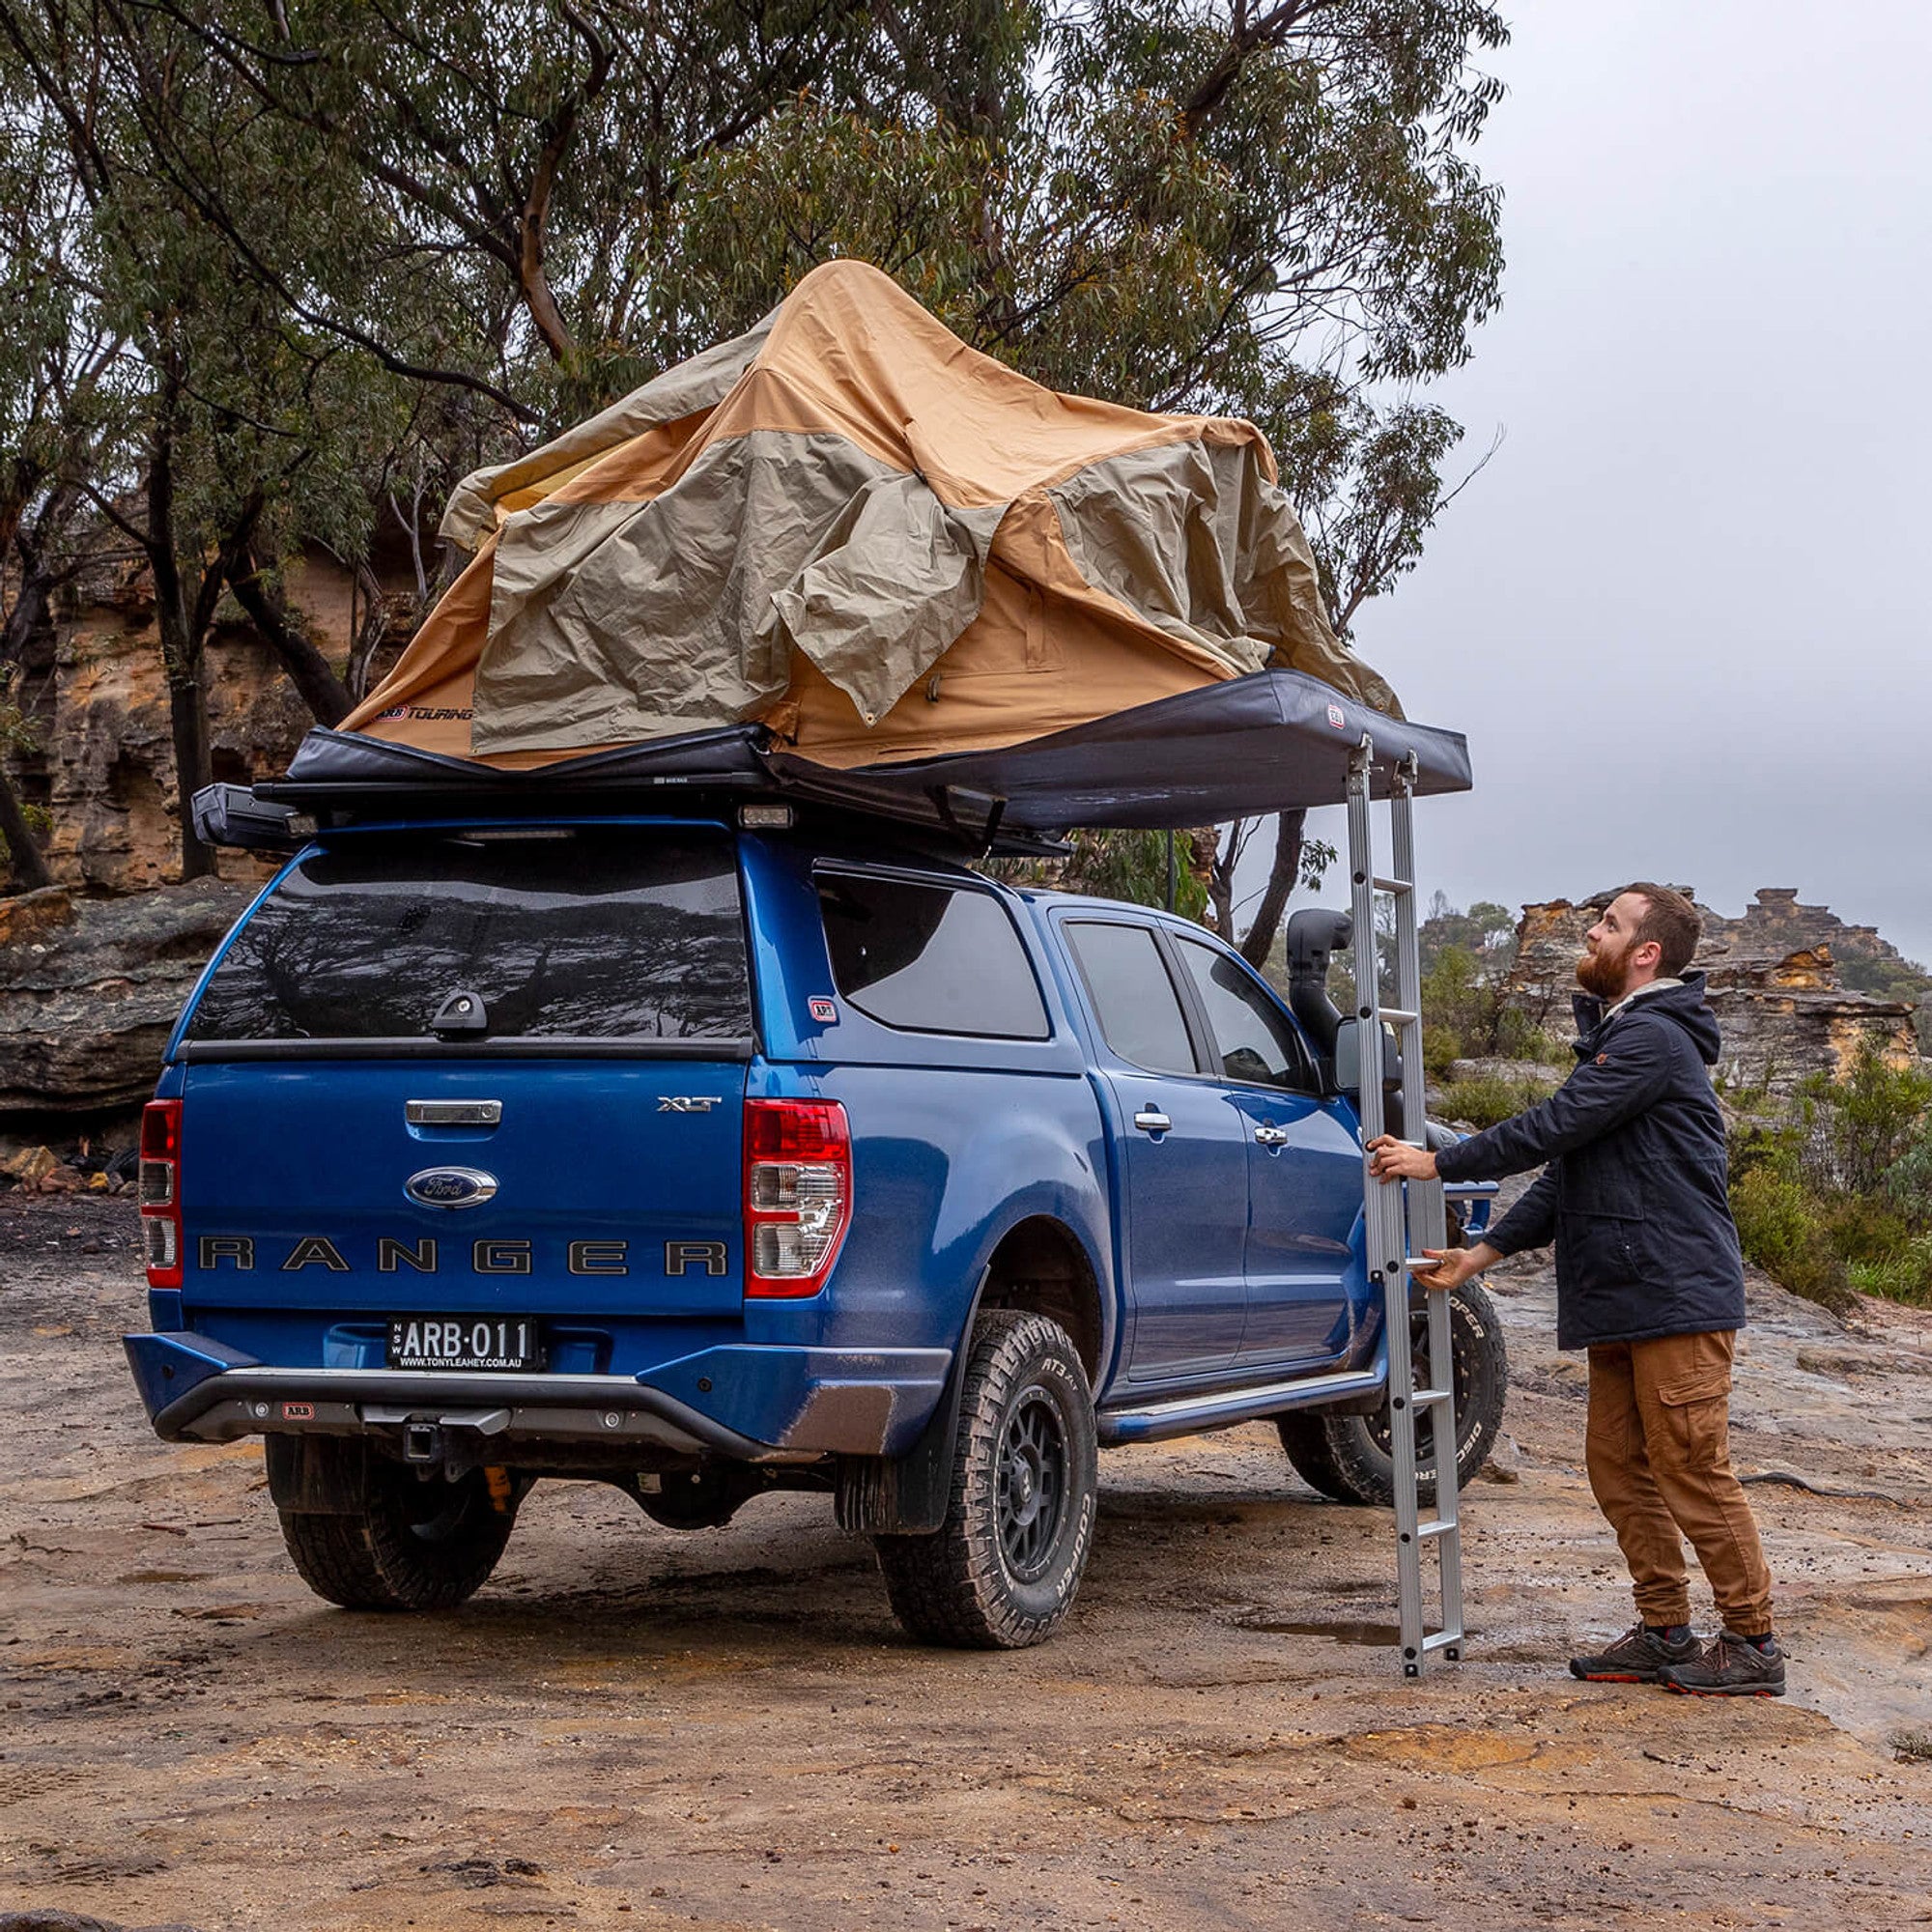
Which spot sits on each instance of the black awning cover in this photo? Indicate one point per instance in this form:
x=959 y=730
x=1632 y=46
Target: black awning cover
x=1272 y=742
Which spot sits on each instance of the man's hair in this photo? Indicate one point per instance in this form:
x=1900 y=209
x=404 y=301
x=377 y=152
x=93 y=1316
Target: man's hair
x=1672 y=920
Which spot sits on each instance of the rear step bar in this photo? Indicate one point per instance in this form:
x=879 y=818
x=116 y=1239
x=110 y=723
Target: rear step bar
x=1184 y=1415
x=335 y=1401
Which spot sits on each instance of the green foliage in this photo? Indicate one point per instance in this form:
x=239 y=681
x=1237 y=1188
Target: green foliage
x=1485 y=931
x=1783 y=1230
x=1903 y=1274
x=1834 y=1196
x=1466 y=958
x=1868 y=1123
x=1462 y=1001
x=1517 y=1036
x=1908 y=1183
x=1487 y=1099
x=1441 y=1048
x=1132 y=865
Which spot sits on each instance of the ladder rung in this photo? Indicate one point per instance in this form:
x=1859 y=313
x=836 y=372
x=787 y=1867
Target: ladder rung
x=1419 y=1263
x=1441 y=1639
x=1395 y=885
x=1399 y=1016
x=1429 y=1398
x=1428 y=1532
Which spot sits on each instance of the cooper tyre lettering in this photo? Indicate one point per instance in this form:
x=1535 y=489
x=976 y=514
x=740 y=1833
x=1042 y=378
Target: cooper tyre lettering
x=1004 y=1567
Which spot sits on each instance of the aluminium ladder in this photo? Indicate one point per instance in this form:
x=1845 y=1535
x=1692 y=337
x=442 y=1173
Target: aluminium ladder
x=1402 y=1220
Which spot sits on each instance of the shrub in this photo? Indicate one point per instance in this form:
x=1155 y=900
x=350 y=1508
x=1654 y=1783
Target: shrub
x=1863 y=1228
x=1486 y=1099
x=1903 y=1275
x=1517 y=1036
x=1908 y=1185
x=1441 y=1048
x=1782 y=1232
x=1869 y=1122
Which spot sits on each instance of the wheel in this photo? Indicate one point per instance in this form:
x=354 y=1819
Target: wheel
x=1003 y=1568
x=1351 y=1458
x=418 y=1543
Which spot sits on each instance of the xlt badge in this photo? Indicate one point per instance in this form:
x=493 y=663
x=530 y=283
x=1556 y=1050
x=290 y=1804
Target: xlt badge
x=686 y=1103
x=450 y=1187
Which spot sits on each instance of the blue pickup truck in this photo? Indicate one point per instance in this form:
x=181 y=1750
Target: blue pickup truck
x=712 y=1155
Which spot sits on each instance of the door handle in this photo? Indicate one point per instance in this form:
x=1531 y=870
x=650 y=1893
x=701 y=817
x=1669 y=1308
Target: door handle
x=1152 y=1121
x=1271 y=1136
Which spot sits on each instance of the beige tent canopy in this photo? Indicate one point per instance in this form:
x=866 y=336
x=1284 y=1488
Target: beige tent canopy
x=851 y=528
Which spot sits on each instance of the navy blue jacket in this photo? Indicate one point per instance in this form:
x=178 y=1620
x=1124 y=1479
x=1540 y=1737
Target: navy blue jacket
x=1634 y=1193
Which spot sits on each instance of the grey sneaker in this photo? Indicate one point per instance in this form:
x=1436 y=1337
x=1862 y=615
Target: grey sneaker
x=1638 y=1657
x=1731 y=1667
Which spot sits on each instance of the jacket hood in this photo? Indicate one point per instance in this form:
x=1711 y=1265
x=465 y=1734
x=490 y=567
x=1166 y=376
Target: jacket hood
x=1686 y=1006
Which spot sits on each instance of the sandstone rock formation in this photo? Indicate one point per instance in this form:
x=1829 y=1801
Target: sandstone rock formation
x=89 y=989
x=96 y=706
x=1775 y=986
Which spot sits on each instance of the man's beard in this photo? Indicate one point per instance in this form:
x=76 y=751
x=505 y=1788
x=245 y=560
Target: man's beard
x=1601 y=972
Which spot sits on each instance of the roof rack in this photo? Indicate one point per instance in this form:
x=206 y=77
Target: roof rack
x=1274 y=741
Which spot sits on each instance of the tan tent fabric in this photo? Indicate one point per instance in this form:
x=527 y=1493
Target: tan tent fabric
x=848 y=524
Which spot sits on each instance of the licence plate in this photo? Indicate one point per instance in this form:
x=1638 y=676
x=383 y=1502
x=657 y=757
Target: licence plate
x=465 y=1342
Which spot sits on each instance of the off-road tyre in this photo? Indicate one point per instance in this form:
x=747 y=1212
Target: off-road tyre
x=416 y=1544
x=1351 y=1458
x=1004 y=1567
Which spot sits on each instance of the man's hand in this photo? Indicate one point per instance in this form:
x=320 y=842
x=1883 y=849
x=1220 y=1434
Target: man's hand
x=1454 y=1265
x=1391 y=1159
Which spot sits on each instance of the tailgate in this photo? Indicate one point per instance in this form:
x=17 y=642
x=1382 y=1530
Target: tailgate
x=605 y=1186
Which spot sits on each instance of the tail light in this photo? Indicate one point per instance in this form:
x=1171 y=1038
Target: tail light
x=798 y=1194
x=159 y=1191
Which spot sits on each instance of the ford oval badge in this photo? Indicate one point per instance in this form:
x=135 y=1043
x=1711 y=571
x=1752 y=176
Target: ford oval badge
x=450 y=1187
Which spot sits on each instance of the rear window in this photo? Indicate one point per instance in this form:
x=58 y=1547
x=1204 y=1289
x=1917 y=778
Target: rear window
x=930 y=958
x=617 y=934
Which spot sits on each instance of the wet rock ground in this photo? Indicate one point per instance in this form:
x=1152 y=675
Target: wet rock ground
x=631 y=1727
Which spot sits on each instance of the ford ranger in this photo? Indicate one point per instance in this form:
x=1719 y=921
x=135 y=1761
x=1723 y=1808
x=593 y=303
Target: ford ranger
x=714 y=1154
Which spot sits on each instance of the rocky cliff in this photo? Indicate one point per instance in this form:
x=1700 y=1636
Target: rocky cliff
x=89 y=989
x=1775 y=985
x=100 y=762
x=93 y=970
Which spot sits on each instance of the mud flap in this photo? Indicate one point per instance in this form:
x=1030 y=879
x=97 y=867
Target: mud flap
x=907 y=1495
x=310 y=1475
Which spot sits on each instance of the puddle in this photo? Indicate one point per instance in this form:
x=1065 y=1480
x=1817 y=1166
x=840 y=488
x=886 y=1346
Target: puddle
x=1342 y=1632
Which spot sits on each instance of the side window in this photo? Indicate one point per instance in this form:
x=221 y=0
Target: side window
x=930 y=958
x=1254 y=1042
x=1140 y=1011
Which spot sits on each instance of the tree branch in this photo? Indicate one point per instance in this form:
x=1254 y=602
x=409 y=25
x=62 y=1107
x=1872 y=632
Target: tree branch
x=1246 y=37
x=311 y=673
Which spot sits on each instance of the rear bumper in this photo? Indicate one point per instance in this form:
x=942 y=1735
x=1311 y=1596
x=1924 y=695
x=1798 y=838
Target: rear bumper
x=745 y=1402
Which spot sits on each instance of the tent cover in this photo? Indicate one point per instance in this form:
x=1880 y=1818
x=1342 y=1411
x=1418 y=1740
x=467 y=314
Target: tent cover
x=844 y=543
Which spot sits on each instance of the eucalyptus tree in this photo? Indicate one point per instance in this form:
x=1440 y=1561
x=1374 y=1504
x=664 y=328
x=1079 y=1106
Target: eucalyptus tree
x=61 y=416
x=248 y=427
x=1263 y=210
x=449 y=230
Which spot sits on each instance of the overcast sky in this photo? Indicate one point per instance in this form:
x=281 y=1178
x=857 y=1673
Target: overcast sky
x=1683 y=615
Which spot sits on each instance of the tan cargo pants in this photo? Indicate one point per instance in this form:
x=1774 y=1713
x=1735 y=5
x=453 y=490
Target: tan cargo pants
x=1658 y=1448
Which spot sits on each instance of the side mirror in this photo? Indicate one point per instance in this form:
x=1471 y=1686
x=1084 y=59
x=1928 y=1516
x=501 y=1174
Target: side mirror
x=1348 y=1059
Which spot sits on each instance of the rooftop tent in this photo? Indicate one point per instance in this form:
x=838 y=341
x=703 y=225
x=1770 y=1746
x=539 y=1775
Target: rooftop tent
x=846 y=544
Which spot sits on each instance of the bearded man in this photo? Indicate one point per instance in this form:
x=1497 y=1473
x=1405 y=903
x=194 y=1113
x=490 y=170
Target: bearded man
x=1649 y=1281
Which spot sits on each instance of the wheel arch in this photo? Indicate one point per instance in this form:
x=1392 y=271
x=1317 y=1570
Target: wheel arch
x=1041 y=1267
